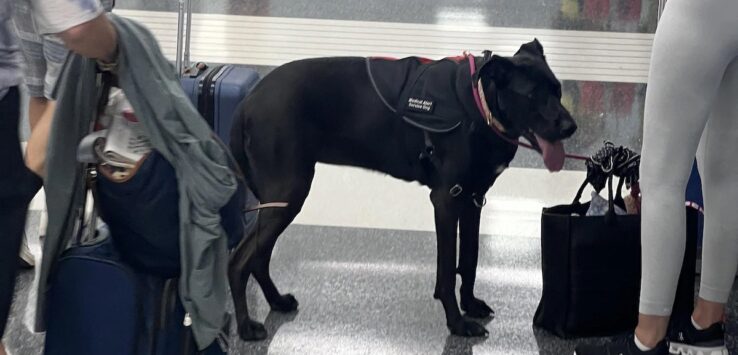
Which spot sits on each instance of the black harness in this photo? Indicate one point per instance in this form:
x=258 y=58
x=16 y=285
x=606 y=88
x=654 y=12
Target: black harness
x=424 y=94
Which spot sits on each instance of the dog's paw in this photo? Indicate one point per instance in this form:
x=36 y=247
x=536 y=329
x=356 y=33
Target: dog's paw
x=251 y=330
x=467 y=328
x=285 y=304
x=476 y=308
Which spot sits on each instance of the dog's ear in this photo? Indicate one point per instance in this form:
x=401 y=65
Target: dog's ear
x=499 y=70
x=533 y=48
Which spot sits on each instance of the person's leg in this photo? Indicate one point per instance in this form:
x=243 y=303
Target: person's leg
x=17 y=187
x=719 y=173
x=693 y=46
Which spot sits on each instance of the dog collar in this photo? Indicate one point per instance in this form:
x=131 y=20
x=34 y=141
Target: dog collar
x=486 y=112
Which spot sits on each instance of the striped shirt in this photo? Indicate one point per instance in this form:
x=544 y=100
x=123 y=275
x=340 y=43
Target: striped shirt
x=52 y=16
x=10 y=56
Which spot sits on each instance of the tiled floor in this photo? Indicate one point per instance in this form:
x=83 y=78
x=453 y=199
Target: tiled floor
x=369 y=291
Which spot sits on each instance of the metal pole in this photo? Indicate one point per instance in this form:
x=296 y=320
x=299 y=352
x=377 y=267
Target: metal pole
x=187 y=36
x=180 y=23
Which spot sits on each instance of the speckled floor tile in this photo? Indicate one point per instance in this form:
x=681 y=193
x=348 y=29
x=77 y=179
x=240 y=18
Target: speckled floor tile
x=369 y=291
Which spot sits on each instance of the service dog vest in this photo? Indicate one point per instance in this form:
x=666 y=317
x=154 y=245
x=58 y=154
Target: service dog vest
x=425 y=93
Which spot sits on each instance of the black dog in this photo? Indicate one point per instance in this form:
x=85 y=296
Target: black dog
x=412 y=119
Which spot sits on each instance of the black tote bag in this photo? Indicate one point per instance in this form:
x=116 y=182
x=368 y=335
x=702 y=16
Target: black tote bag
x=592 y=269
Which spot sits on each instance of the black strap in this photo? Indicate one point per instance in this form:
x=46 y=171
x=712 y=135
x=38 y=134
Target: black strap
x=106 y=78
x=578 y=196
x=87 y=228
x=610 y=215
x=376 y=88
x=428 y=155
x=618 y=195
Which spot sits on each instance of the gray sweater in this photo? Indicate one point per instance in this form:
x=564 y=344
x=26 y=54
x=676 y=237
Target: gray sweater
x=180 y=134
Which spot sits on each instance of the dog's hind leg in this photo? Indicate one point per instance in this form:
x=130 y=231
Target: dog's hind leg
x=253 y=254
x=238 y=276
x=278 y=220
x=468 y=257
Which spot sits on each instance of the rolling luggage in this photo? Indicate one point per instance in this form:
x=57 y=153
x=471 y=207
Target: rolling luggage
x=93 y=303
x=215 y=90
x=100 y=305
x=166 y=328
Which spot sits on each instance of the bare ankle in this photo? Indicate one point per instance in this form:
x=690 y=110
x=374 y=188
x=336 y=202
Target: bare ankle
x=651 y=330
x=708 y=313
x=649 y=339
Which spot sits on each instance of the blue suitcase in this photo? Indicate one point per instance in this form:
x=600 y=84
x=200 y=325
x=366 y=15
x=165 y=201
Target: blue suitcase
x=100 y=305
x=93 y=290
x=217 y=91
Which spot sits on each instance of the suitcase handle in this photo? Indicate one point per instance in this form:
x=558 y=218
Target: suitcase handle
x=195 y=70
x=183 y=41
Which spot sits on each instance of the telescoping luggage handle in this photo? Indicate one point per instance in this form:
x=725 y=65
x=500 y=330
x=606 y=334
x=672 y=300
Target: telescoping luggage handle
x=184 y=29
x=86 y=224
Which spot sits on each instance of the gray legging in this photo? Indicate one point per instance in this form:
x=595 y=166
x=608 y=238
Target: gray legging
x=692 y=100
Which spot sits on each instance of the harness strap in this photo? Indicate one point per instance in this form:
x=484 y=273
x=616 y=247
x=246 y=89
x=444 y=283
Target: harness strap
x=376 y=88
x=262 y=206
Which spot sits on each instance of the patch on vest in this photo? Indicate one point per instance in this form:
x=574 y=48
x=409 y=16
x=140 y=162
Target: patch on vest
x=419 y=105
x=422 y=92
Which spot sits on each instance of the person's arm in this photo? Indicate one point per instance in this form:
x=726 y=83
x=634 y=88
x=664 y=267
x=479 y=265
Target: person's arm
x=81 y=24
x=93 y=39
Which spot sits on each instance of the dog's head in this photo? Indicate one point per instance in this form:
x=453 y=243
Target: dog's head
x=525 y=93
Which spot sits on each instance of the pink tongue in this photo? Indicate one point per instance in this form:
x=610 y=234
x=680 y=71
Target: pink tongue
x=553 y=154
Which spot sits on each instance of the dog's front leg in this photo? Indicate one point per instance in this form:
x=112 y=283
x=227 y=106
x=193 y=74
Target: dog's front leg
x=447 y=211
x=468 y=257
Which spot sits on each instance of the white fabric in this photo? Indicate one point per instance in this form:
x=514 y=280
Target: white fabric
x=54 y=16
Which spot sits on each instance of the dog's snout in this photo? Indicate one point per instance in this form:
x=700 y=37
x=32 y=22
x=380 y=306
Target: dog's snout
x=567 y=127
